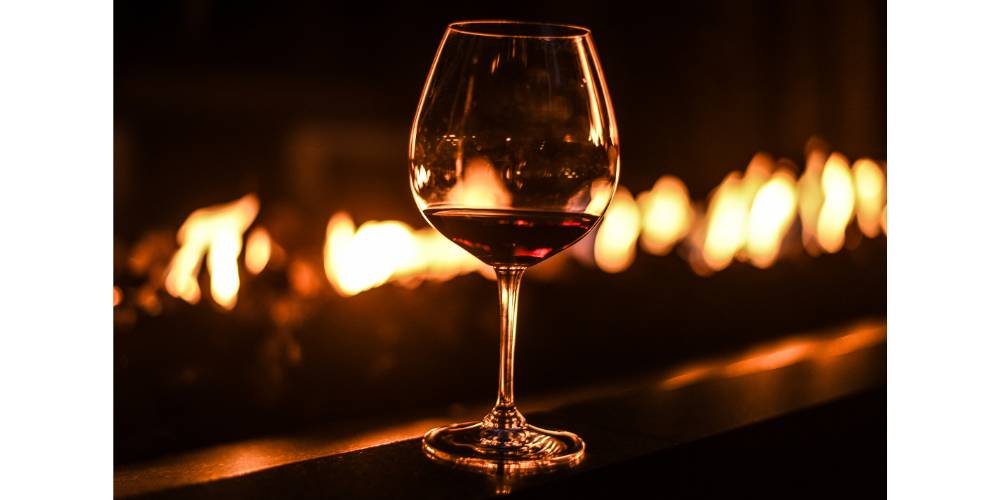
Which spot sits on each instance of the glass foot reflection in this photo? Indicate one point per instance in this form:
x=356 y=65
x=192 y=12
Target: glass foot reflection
x=526 y=449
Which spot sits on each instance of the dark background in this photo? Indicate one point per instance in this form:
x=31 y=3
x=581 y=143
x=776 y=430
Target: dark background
x=214 y=99
x=309 y=105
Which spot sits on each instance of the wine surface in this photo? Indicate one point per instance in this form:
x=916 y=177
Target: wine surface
x=510 y=237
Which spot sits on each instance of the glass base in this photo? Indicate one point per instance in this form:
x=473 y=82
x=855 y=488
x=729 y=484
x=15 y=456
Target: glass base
x=470 y=446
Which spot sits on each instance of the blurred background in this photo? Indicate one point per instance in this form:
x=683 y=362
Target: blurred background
x=272 y=273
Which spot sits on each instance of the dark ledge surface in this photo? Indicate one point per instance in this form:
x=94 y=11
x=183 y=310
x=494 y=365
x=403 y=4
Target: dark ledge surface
x=802 y=416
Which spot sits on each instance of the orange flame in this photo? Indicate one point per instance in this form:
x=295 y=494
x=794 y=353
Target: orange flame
x=218 y=232
x=614 y=245
x=666 y=215
x=258 y=250
x=869 y=185
x=118 y=296
x=838 y=203
x=811 y=199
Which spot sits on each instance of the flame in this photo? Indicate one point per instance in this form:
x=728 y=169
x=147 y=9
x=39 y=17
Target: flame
x=614 y=245
x=218 y=231
x=666 y=215
x=479 y=186
x=869 y=186
x=838 y=203
x=118 y=296
x=355 y=261
x=771 y=215
x=885 y=229
x=258 y=250
x=747 y=218
x=724 y=223
x=811 y=199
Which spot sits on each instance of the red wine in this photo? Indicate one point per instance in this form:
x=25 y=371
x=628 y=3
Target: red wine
x=510 y=237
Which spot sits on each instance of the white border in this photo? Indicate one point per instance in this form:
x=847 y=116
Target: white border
x=944 y=215
x=56 y=249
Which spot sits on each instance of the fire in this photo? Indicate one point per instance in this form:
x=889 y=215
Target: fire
x=218 y=232
x=724 y=223
x=869 y=186
x=614 y=245
x=118 y=296
x=747 y=218
x=479 y=186
x=771 y=215
x=666 y=215
x=811 y=199
x=355 y=261
x=729 y=211
x=838 y=203
x=258 y=250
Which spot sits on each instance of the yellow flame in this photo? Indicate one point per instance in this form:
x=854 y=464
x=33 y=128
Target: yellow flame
x=838 y=203
x=771 y=215
x=218 y=231
x=666 y=215
x=725 y=223
x=869 y=186
x=614 y=245
x=355 y=261
x=885 y=228
x=258 y=250
x=479 y=186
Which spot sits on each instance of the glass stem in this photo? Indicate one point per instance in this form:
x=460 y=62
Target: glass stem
x=509 y=285
x=504 y=425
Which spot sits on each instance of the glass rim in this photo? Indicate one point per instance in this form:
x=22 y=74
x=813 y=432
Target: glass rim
x=479 y=27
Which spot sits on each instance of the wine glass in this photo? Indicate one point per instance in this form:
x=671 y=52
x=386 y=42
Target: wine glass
x=514 y=156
